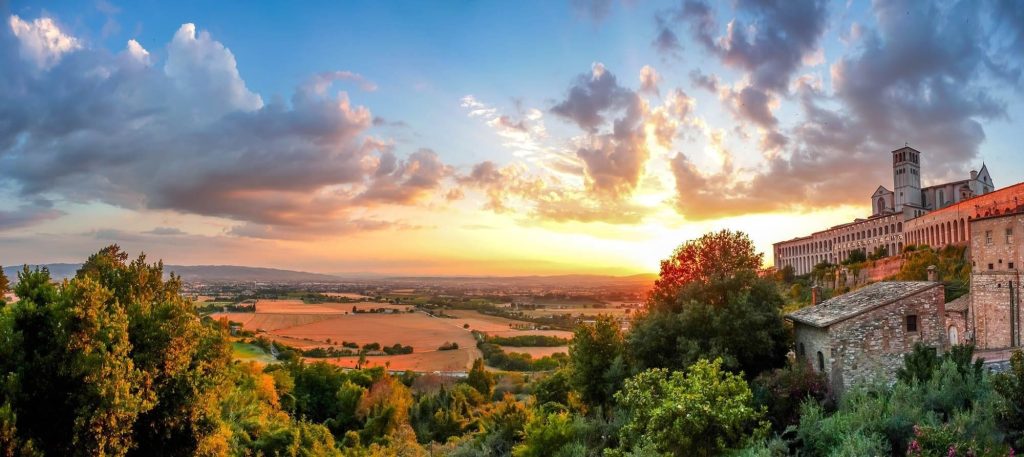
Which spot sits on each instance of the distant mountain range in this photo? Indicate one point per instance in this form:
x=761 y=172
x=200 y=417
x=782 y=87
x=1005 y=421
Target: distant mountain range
x=234 y=273
x=192 y=273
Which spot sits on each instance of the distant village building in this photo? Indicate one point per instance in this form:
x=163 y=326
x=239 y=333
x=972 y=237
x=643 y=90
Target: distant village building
x=908 y=214
x=864 y=334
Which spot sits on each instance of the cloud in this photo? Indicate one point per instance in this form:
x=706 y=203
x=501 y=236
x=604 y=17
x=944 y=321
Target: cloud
x=27 y=215
x=166 y=231
x=649 y=79
x=590 y=96
x=320 y=82
x=41 y=41
x=920 y=75
x=595 y=10
x=406 y=182
x=707 y=82
x=205 y=72
x=189 y=136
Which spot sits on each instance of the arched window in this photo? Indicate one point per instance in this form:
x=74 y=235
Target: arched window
x=881 y=204
x=821 y=362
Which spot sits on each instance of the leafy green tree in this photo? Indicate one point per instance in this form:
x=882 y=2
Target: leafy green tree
x=703 y=411
x=711 y=301
x=597 y=361
x=551 y=434
x=782 y=392
x=5 y=285
x=183 y=362
x=555 y=388
x=1010 y=386
x=447 y=413
x=952 y=264
x=480 y=379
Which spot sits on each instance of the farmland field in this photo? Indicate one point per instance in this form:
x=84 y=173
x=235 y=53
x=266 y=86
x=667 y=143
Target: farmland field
x=309 y=326
x=250 y=352
x=347 y=295
x=497 y=326
x=577 y=311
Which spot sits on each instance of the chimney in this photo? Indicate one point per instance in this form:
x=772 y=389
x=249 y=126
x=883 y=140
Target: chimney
x=933 y=273
x=815 y=295
x=974 y=175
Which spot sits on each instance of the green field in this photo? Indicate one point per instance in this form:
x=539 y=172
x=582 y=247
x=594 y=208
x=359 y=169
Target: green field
x=250 y=352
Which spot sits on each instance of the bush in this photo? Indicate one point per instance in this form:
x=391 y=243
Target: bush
x=448 y=346
x=782 y=392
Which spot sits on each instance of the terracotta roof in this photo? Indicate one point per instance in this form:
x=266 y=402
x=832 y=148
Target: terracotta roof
x=859 y=301
x=959 y=304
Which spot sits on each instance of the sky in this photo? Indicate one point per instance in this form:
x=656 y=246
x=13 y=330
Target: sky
x=482 y=138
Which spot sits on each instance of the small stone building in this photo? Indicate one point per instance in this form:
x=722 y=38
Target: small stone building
x=863 y=335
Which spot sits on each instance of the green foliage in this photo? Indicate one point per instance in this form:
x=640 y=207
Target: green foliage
x=747 y=331
x=114 y=361
x=952 y=407
x=501 y=427
x=923 y=361
x=480 y=379
x=1011 y=412
x=782 y=391
x=555 y=388
x=952 y=263
x=597 y=361
x=528 y=340
x=5 y=285
x=710 y=301
x=549 y=434
x=855 y=256
x=703 y=411
x=518 y=361
x=447 y=413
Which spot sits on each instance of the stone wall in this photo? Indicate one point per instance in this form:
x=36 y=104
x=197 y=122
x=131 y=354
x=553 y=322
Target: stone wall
x=995 y=280
x=872 y=345
x=957 y=319
x=809 y=341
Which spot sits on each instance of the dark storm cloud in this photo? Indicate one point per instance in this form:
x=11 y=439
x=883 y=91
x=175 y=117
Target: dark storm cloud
x=26 y=215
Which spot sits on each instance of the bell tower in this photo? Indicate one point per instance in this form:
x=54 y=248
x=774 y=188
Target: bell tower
x=906 y=176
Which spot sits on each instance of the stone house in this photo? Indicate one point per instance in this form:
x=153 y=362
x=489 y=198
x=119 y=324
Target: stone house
x=864 y=335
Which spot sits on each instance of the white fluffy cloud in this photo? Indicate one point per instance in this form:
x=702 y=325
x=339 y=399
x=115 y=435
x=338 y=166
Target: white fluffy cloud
x=190 y=136
x=41 y=41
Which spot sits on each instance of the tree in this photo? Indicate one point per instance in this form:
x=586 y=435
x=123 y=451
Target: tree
x=702 y=411
x=1011 y=386
x=5 y=285
x=711 y=260
x=480 y=379
x=711 y=301
x=597 y=361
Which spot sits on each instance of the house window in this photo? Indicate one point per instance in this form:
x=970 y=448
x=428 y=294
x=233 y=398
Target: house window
x=988 y=237
x=821 y=362
x=802 y=350
x=911 y=323
x=991 y=267
x=1009 y=236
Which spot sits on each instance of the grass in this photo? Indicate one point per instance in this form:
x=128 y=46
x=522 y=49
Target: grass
x=250 y=352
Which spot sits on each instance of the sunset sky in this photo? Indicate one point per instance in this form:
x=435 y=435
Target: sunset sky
x=482 y=138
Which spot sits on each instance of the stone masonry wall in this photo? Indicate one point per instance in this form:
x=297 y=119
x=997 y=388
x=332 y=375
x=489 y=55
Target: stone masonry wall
x=872 y=345
x=995 y=280
x=956 y=319
x=809 y=341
